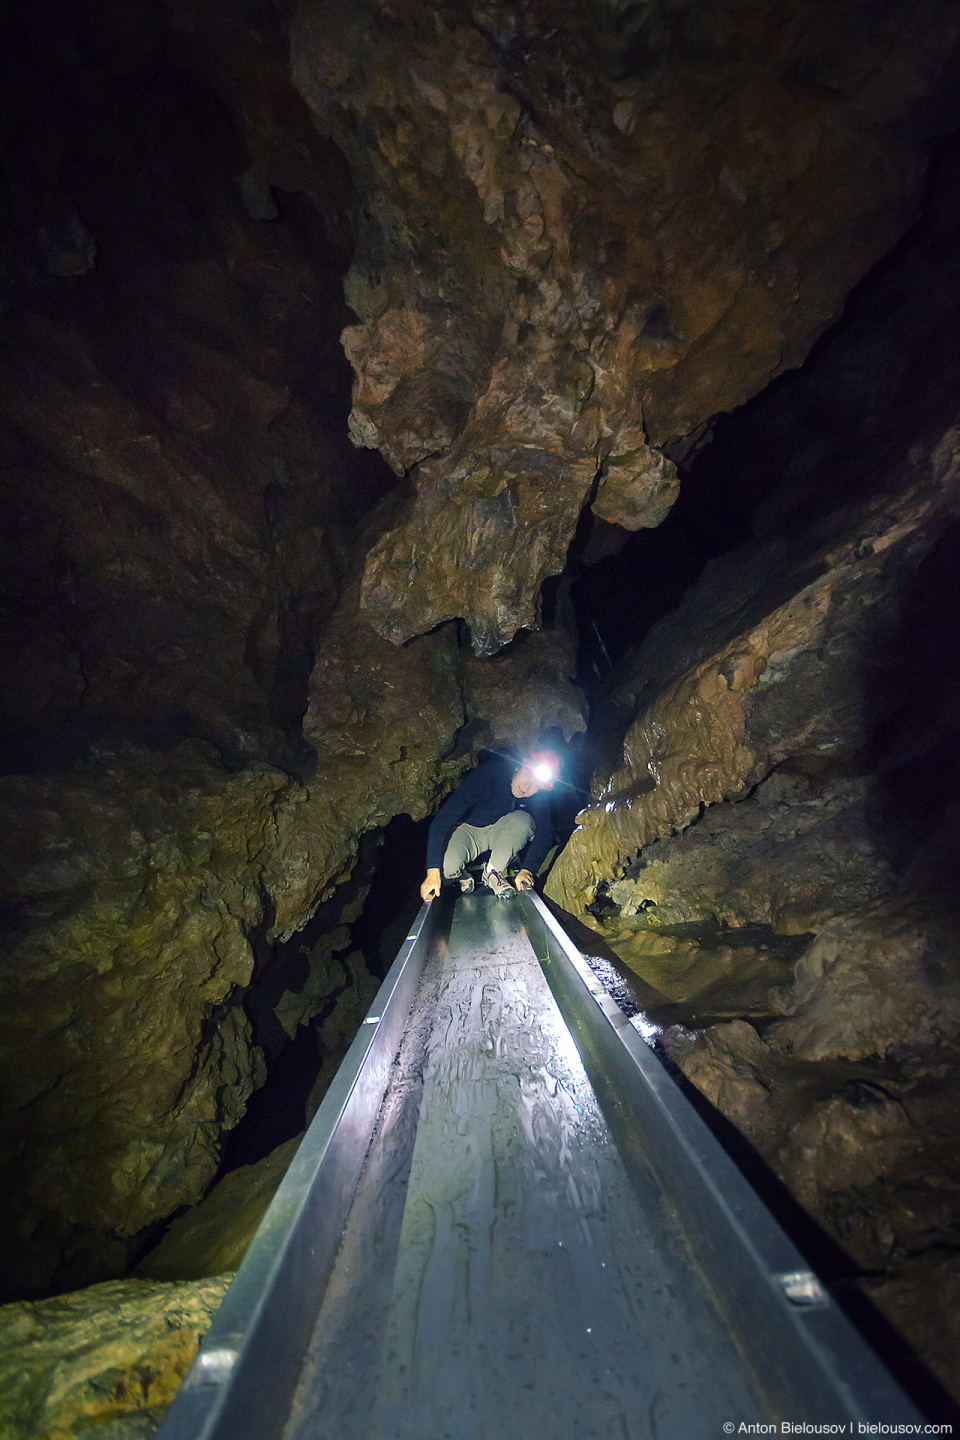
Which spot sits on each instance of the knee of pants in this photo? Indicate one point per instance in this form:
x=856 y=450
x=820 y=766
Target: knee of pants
x=510 y=835
x=519 y=824
x=458 y=852
x=452 y=863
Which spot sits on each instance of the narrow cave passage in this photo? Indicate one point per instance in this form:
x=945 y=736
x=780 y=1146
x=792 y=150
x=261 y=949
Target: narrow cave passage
x=291 y=409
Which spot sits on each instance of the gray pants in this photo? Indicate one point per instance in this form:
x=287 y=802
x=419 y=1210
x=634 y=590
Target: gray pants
x=504 y=838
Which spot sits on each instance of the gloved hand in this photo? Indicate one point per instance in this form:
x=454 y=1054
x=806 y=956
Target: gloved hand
x=524 y=880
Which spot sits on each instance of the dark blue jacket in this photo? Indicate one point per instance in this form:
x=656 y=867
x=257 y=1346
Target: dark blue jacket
x=481 y=799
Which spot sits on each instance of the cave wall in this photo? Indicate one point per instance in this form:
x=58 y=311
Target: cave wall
x=105 y=1362
x=778 y=849
x=583 y=230
x=556 y=241
x=163 y=338
x=200 y=726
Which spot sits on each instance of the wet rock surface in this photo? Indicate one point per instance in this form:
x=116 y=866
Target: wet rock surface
x=762 y=855
x=103 y=1362
x=772 y=666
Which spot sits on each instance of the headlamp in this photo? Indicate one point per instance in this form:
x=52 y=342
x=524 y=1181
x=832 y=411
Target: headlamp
x=544 y=766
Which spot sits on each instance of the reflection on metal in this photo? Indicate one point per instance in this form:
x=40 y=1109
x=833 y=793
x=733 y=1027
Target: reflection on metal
x=803 y=1288
x=506 y=1219
x=214 y=1366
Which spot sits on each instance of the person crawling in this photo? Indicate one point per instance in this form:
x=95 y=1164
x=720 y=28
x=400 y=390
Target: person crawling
x=502 y=809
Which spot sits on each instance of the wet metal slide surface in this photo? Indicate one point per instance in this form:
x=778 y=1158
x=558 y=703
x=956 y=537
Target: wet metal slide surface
x=500 y=1275
x=507 y=1221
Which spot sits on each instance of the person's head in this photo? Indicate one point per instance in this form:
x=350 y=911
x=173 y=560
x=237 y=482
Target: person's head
x=538 y=771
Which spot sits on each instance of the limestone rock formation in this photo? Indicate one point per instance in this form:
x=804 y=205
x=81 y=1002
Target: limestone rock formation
x=778 y=849
x=200 y=725
x=151 y=599
x=150 y=892
x=852 y=1100
x=214 y=1236
x=585 y=230
x=105 y=1362
x=766 y=686
x=569 y=237
x=781 y=843
x=526 y=691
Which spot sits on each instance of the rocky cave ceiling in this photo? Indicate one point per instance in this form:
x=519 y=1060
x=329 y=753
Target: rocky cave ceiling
x=355 y=359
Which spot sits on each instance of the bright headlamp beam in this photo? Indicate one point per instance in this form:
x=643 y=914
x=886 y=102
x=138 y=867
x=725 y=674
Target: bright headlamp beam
x=543 y=773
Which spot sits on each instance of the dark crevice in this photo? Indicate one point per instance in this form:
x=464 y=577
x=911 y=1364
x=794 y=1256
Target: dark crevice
x=216 y=334
x=834 y=433
x=277 y=1110
x=838 y=429
x=384 y=886
x=625 y=593
x=393 y=900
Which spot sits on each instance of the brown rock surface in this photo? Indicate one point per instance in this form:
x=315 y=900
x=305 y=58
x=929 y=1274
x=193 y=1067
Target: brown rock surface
x=153 y=596
x=104 y=1362
x=214 y=1236
x=905 y=1300
x=881 y=980
x=789 y=779
x=852 y=1099
x=183 y=502
x=526 y=690
x=584 y=231
x=792 y=856
x=772 y=663
x=577 y=234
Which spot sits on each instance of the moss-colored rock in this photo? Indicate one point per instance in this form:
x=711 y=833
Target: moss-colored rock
x=580 y=233
x=105 y=1361
x=214 y=1236
x=180 y=499
x=144 y=889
